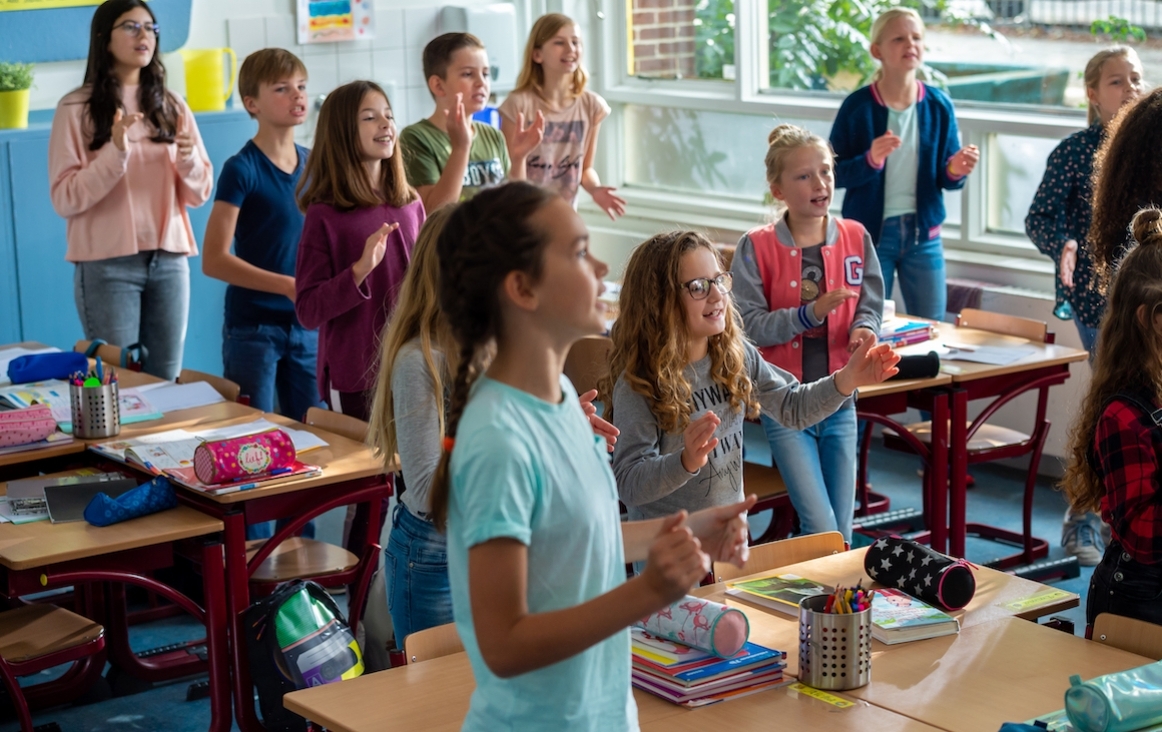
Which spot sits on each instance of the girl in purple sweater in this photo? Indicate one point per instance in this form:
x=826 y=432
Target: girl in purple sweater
x=362 y=218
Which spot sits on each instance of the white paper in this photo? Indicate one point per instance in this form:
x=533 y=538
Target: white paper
x=8 y=516
x=991 y=355
x=8 y=355
x=167 y=397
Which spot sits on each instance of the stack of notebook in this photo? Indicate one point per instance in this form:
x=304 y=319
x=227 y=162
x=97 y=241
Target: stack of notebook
x=695 y=678
x=898 y=332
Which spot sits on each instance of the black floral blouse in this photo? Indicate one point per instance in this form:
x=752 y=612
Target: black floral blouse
x=1061 y=211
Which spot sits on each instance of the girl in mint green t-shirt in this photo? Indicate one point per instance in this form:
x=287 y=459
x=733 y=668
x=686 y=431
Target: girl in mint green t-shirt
x=536 y=550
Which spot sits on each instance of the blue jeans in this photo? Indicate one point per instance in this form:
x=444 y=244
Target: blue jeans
x=920 y=266
x=418 y=593
x=141 y=298
x=1088 y=337
x=1123 y=586
x=263 y=359
x=818 y=465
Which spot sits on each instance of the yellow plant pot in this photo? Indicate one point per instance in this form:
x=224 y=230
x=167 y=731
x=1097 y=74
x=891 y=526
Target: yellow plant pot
x=14 y=109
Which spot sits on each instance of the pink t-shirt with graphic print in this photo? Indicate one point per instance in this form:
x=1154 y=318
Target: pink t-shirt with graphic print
x=557 y=162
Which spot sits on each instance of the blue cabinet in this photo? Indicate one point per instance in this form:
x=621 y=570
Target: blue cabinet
x=36 y=283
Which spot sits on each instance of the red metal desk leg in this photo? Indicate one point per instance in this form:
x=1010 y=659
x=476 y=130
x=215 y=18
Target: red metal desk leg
x=238 y=595
x=217 y=643
x=958 y=465
x=938 y=472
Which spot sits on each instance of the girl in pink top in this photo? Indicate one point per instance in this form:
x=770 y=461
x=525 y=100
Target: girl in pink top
x=125 y=161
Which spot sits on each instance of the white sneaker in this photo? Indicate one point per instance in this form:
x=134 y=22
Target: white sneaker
x=1081 y=536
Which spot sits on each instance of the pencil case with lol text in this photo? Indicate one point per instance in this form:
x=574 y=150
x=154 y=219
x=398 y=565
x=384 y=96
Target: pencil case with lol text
x=708 y=626
x=26 y=426
x=1120 y=702
x=921 y=572
x=245 y=457
x=156 y=495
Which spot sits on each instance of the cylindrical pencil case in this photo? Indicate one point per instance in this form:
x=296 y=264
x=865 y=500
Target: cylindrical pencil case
x=1118 y=702
x=921 y=572
x=243 y=457
x=702 y=624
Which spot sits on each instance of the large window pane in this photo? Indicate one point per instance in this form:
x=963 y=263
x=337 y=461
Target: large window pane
x=1015 y=167
x=681 y=39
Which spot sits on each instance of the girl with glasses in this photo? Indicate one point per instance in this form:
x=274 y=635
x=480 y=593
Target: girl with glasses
x=811 y=294
x=683 y=377
x=125 y=163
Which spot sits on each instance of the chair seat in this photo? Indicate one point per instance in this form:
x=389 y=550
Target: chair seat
x=763 y=481
x=299 y=558
x=988 y=437
x=33 y=631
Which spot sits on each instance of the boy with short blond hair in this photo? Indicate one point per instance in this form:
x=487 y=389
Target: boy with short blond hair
x=448 y=157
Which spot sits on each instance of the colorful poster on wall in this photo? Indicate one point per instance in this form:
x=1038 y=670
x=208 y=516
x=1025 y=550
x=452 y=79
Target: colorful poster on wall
x=326 y=21
x=44 y=4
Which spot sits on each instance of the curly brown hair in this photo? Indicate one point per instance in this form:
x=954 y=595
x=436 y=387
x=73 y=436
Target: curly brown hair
x=650 y=343
x=1129 y=353
x=1132 y=153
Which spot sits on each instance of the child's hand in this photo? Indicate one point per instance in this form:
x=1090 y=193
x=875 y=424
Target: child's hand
x=858 y=336
x=830 y=300
x=525 y=139
x=459 y=125
x=962 y=163
x=723 y=531
x=289 y=288
x=121 y=125
x=676 y=561
x=883 y=146
x=611 y=204
x=868 y=365
x=1068 y=262
x=601 y=428
x=373 y=251
x=183 y=139
x=699 y=441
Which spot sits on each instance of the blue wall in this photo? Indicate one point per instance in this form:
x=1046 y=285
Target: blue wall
x=36 y=283
x=62 y=34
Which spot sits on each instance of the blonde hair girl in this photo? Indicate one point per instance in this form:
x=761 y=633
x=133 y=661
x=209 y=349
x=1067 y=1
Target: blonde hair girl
x=683 y=378
x=1115 y=444
x=552 y=83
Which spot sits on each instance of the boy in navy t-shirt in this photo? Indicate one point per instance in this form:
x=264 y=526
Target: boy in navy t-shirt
x=264 y=348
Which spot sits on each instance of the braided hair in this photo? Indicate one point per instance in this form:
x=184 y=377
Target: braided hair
x=484 y=239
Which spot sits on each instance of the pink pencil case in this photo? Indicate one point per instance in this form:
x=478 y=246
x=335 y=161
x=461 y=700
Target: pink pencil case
x=703 y=624
x=243 y=457
x=26 y=426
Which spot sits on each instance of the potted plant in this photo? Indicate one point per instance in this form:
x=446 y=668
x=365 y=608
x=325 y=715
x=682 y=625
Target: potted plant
x=15 y=81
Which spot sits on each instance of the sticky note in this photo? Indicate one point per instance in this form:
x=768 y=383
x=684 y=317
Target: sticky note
x=823 y=696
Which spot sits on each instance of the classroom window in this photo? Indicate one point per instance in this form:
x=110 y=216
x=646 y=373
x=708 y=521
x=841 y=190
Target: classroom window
x=1014 y=168
x=681 y=39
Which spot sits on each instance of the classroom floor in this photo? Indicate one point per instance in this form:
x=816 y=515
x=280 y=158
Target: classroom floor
x=996 y=498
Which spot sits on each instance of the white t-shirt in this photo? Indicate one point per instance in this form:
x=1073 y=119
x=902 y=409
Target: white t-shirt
x=901 y=165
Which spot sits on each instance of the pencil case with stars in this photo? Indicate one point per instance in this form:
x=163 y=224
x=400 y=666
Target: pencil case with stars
x=920 y=571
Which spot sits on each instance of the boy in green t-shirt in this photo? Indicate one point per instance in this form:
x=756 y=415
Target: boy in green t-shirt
x=448 y=156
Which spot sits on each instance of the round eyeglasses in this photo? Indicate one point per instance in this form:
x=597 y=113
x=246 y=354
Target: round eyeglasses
x=699 y=288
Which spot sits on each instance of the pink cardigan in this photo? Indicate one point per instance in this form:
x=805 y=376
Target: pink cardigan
x=120 y=203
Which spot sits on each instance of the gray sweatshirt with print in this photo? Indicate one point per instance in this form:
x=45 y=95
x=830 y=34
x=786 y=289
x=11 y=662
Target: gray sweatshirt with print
x=648 y=462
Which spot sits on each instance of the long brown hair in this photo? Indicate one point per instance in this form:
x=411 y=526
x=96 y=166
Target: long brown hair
x=1132 y=153
x=484 y=239
x=334 y=173
x=1129 y=353
x=532 y=74
x=650 y=341
x=417 y=317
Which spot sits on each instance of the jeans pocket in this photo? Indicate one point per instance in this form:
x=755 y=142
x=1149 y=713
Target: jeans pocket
x=1135 y=582
x=243 y=333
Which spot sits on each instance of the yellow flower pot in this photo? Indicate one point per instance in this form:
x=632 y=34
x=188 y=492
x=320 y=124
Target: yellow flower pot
x=14 y=109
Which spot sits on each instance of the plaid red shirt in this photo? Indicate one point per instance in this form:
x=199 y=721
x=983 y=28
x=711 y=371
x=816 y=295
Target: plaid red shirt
x=1128 y=446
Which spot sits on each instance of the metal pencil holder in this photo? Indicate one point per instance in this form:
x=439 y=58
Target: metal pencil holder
x=96 y=411
x=834 y=648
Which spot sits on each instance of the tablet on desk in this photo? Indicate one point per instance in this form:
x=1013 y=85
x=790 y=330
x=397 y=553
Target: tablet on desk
x=67 y=502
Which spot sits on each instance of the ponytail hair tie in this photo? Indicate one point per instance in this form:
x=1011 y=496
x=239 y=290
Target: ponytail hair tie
x=449 y=443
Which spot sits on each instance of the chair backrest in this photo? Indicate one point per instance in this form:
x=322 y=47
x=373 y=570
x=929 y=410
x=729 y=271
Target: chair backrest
x=111 y=354
x=726 y=251
x=1128 y=634
x=227 y=388
x=1013 y=325
x=587 y=361
x=424 y=645
x=340 y=424
x=782 y=553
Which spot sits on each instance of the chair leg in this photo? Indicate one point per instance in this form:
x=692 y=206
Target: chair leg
x=862 y=487
x=1030 y=486
x=362 y=583
x=17 y=696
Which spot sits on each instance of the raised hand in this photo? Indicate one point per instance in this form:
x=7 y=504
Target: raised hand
x=963 y=162
x=184 y=139
x=723 y=531
x=525 y=139
x=121 y=125
x=601 y=428
x=869 y=364
x=1068 y=262
x=699 y=441
x=830 y=300
x=858 y=336
x=373 y=251
x=883 y=146
x=613 y=205
x=676 y=560
x=459 y=124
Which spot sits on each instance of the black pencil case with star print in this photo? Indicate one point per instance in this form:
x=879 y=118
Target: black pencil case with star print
x=920 y=571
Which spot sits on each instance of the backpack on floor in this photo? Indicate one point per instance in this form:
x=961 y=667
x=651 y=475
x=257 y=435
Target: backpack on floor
x=297 y=638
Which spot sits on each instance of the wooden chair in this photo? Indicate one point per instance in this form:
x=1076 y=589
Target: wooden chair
x=783 y=553
x=129 y=358
x=230 y=391
x=1128 y=634
x=987 y=442
x=34 y=638
x=726 y=252
x=340 y=424
x=588 y=361
x=424 y=645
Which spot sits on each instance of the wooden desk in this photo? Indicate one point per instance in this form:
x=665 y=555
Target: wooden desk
x=1007 y=670
x=777 y=630
x=431 y=696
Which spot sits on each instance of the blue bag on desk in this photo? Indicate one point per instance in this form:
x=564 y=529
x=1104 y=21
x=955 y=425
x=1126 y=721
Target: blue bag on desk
x=156 y=495
x=44 y=366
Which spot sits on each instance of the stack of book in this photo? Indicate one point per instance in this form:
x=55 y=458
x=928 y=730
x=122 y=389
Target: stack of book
x=783 y=592
x=897 y=332
x=694 y=678
x=899 y=618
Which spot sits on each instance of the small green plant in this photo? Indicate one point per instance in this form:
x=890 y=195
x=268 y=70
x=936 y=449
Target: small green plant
x=15 y=76
x=1118 y=30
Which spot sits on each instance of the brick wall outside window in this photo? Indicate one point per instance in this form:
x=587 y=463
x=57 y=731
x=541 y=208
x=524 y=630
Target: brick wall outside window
x=663 y=38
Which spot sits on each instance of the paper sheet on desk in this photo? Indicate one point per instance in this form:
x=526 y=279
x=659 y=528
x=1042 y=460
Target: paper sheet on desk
x=302 y=440
x=168 y=397
x=991 y=355
x=8 y=355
